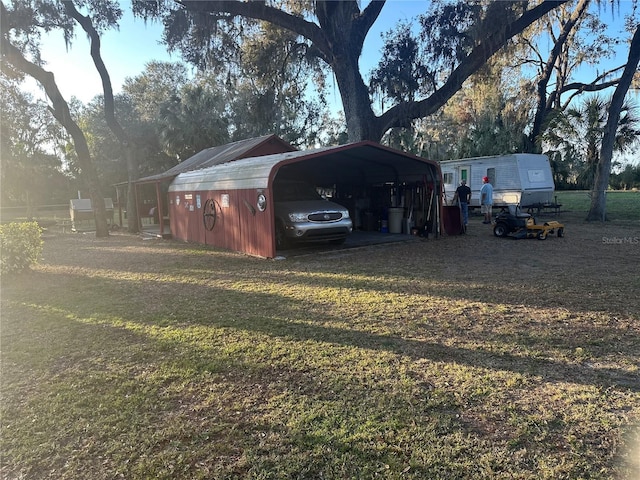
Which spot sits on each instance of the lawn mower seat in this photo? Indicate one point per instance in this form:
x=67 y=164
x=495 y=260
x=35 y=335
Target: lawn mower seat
x=516 y=212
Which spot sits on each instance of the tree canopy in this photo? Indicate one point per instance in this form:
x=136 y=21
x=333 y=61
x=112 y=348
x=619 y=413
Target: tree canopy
x=31 y=146
x=332 y=34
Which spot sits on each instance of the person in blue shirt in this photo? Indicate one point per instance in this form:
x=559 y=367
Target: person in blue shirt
x=486 y=199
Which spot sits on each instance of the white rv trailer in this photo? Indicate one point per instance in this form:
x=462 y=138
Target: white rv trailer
x=519 y=178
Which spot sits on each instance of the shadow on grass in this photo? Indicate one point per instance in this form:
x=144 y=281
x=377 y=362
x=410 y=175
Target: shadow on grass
x=548 y=370
x=111 y=386
x=554 y=281
x=192 y=304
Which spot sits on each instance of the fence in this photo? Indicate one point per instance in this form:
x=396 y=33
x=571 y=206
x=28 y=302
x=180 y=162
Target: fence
x=49 y=216
x=38 y=213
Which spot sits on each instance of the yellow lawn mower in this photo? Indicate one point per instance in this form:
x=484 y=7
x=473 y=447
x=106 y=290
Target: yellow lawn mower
x=523 y=225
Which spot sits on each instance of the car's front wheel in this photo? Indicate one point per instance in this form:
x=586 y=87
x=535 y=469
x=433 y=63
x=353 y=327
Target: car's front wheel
x=282 y=241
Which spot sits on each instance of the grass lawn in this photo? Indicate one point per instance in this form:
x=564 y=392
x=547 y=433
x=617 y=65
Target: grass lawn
x=622 y=206
x=466 y=357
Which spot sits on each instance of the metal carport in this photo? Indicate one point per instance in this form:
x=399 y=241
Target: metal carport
x=219 y=205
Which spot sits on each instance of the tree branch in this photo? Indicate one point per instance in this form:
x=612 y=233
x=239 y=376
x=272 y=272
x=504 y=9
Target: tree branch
x=365 y=21
x=109 y=103
x=471 y=64
x=261 y=11
x=547 y=69
x=59 y=108
x=590 y=87
x=586 y=87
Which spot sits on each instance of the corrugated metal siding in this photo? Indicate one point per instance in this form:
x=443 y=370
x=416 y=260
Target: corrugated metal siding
x=252 y=147
x=239 y=225
x=256 y=227
x=245 y=173
x=234 y=186
x=185 y=214
x=273 y=145
x=241 y=174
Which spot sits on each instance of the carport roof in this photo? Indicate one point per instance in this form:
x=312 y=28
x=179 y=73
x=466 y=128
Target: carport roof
x=359 y=163
x=218 y=155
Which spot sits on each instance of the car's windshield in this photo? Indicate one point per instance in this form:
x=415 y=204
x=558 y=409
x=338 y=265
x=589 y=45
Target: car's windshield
x=293 y=191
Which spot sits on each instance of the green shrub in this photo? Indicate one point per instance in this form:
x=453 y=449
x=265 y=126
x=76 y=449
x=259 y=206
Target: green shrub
x=20 y=246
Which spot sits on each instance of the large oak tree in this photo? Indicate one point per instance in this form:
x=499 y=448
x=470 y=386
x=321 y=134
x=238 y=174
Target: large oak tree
x=334 y=32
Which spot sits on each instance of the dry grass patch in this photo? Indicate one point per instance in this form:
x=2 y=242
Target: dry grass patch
x=466 y=357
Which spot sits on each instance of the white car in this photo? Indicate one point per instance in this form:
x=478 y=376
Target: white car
x=302 y=215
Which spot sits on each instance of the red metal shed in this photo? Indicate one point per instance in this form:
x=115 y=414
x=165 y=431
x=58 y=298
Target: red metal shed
x=155 y=185
x=230 y=205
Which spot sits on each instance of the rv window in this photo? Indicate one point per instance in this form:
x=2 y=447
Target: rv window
x=491 y=173
x=536 y=176
x=448 y=178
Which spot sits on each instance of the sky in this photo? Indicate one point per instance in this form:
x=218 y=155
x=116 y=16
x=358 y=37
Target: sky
x=126 y=51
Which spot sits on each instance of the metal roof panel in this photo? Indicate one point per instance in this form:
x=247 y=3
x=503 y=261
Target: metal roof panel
x=254 y=172
x=215 y=156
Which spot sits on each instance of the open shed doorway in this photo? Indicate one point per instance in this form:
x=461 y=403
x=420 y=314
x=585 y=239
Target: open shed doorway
x=386 y=192
x=153 y=211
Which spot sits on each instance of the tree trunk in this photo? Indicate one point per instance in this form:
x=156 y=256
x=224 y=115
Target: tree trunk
x=543 y=106
x=60 y=110
x=132 y=201
x=344 y=29
x=362 y=124
x=598 y=209
x=109 y=112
